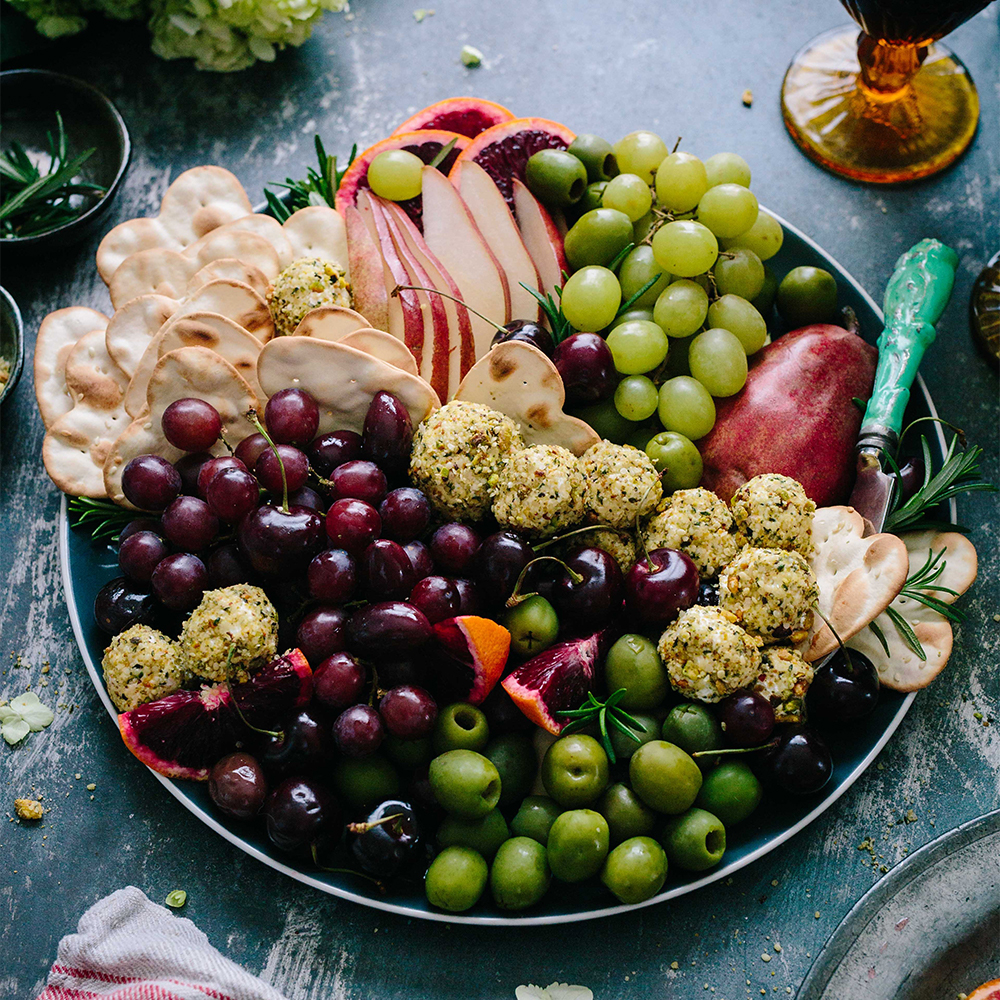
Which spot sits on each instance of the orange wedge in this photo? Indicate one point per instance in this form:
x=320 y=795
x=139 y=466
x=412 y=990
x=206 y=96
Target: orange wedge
x=478 y=647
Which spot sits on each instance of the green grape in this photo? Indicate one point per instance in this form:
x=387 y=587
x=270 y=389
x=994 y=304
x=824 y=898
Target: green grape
x=627 y=317
x=628 y=193
x=642 y=228
x=642 y=433
x=727 y=168
x=718 y=362
x=741 y=274
x=636 y=398
x=640 y=153
x=606 y=420
x=735 y=314
x=637 y=347
x=637 y=268
x=681 y=308
x=686 y=407
x=597 y=237
x=685 y=248
x=728 y=209
x=680 y=182
x=677 y=459
x=764 y=237
x=591 y=297
x=396 y=174
x=763 y=301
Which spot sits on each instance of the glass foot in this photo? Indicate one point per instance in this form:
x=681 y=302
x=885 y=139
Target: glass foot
x=883 y=138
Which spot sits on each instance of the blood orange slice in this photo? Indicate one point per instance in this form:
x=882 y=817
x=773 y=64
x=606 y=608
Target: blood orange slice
x=988 y=991
x=464 y=115
x=426 y=144
x=273 y=691
x=473 y=652
x=503 y=150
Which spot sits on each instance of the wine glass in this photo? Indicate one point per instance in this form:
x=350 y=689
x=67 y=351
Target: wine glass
x=889 y=104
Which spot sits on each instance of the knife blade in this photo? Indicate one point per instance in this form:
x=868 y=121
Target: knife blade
x=915 y=297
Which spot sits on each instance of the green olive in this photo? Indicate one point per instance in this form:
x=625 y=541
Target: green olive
x=596 y=155
x=807 y=295
x=556 y=177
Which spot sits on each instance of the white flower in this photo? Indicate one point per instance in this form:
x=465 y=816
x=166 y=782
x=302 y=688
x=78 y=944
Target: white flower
x=554 y=991
x=25 y=714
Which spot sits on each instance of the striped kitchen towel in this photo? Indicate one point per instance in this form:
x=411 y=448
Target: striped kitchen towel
x=129 y=948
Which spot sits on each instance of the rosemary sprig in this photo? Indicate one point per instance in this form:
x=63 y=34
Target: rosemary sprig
x=925 y=579
x=319 y=187
x=958 y=474
x=102 y=518
x=909 y=636
x=880 y=635
x=607 y=715
x=34 y=202
x=557 y=320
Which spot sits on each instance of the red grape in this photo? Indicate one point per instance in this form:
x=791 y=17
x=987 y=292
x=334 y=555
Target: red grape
x=332 y=576
x=331 y=450
x=387 y=629
x=420 y=559
x=747 y=718
x=437 y=597
x=237 y=786
x=249 y=449
x=179 y=581
x=339 y=680
x=470 y=602
x=321 y=633
x=152 y=524
x=292 y=417
x=120 y=604
x=386 y=571
x=232 y=494
x=388 y=433
x=498 y=563
x=139 y=554
x=405 y=514
x=268 y=469
x=226 y=567
x=213 y=467
x=190 y=524
x=359 y=480
x=408 y=712
x=587 y=368
x=191 y=424
x=306 y=496
x=358 y=731
x=454 y=547
x=190 y=466
x=353 y=525
x=150 y=482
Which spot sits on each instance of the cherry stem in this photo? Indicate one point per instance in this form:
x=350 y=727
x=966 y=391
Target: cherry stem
x=454 y=298
x=517 y=597
x=252 y=417
x=729 y=751
x=342 y=871
x=840 y=642
x=366 y=826
x=229 y=676
x=570 y=534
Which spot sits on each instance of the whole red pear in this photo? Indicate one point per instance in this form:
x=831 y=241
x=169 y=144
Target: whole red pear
x=795 y=416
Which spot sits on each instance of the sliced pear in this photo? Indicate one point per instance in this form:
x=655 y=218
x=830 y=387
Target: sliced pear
x=368 y=274
x=541 y=237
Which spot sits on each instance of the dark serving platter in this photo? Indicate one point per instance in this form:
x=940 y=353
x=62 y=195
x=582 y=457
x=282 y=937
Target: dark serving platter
x=87 y=566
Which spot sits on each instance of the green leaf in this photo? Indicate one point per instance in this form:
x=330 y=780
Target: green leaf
x=443 y=154
x=622 y=254
x=880 y=635
x=909 y=636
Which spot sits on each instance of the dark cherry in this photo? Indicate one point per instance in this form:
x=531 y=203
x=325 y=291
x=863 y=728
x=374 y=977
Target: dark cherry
x=387 y=629
x=339 y=680
x=140 y=553
x=332 y=576
x=306 y=496
x=437 y=597
x=708 y=593
x=359 y=480
x=499 y=563
x=352 y=525
x=212 y=467
x=405 y=513
x=189 y=467
x=226 y=567
x=121 y=603
x=291 y=416
x=469 y=601
x=232 y=494
x=843 y=689
x=386 y=572
x=387 y=838
x=661 y=585
x=454 y=547
x=150 y=482
x=801 y=763
x=191 y=424
x=420 y=559
x=267 y=469
x=587 y=368
x=358 y=731
x=527 y=331
x=237 y=785
x=179 y=581
x=250 y=448
x=387 y=433
x=303 y=746
x=331 y=450
x=321 y=633
x=598 y=597
x=747 y=718
x=408 y=711
x=280 y=543
x=299 y=812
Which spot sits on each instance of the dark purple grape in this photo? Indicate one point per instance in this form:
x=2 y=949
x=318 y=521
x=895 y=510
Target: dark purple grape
x=150 y=482
x=213 y=467
x=299 y=812
x=454 y=547
x=139 y=555
x=306 y=496
x=387 y=629
x=844 y=690
x=232 y=494
x=280 y=543
x=358 y=731
x=190 y=466
x=499 y=563
x=387 y=838
x=292 y=417
x=800 y=764
x=747 y=718
x=268 y=469
x=596 y=598
x=189 y=524
x=660 y=585
x=911 y=478
x=386 y=572
x=437 y=597
x=359 y=480
x=387 y=434
x=405 y=514
x=529 y=333
x=339 y=681
x=331 y=450
x=303 y=746
x=153 y=524
x=191 y=424
x=470 y=602
x=708 y=593
x=332 y=576
x=250 y=448
x=237 y=786
x=408 y=712
x=321 y=633
x=226 y=567
x=179 y=581
x=120 y=604
x=587 y=368
x=420 y=559
x=352 y=525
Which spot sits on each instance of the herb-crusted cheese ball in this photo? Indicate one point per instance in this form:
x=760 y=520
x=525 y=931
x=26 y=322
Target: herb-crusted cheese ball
x=540 y=491
x=306 y=284
x=784 y=680
x=142 y=665
x=699 y=523
x=771 y=593
x=773 y=512
x=707 y=655
x=458 y=454
x=620 y=483
x=238 y=618
x=620 y=545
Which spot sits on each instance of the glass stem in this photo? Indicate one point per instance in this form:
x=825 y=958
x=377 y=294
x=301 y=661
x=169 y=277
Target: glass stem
x=887 y=69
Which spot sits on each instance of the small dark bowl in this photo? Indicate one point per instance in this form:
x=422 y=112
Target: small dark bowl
x=31 y=98
x=11 y=341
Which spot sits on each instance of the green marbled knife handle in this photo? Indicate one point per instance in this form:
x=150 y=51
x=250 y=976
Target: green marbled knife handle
x=915 y=297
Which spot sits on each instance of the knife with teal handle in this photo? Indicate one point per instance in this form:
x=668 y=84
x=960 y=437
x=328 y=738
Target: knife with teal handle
x=915 y=297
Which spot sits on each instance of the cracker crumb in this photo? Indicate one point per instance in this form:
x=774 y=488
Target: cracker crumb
x=777 y=947
x=91 y=787
x=28 y=808
x=765 y=957
x=747 y=103
x=816 y=914
x=911 y=816
x=674 y=965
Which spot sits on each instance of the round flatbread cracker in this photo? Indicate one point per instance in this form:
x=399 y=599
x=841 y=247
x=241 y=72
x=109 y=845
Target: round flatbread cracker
x=57 y=335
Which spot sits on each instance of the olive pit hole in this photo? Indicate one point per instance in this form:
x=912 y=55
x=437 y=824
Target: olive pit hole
x=714 y=842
